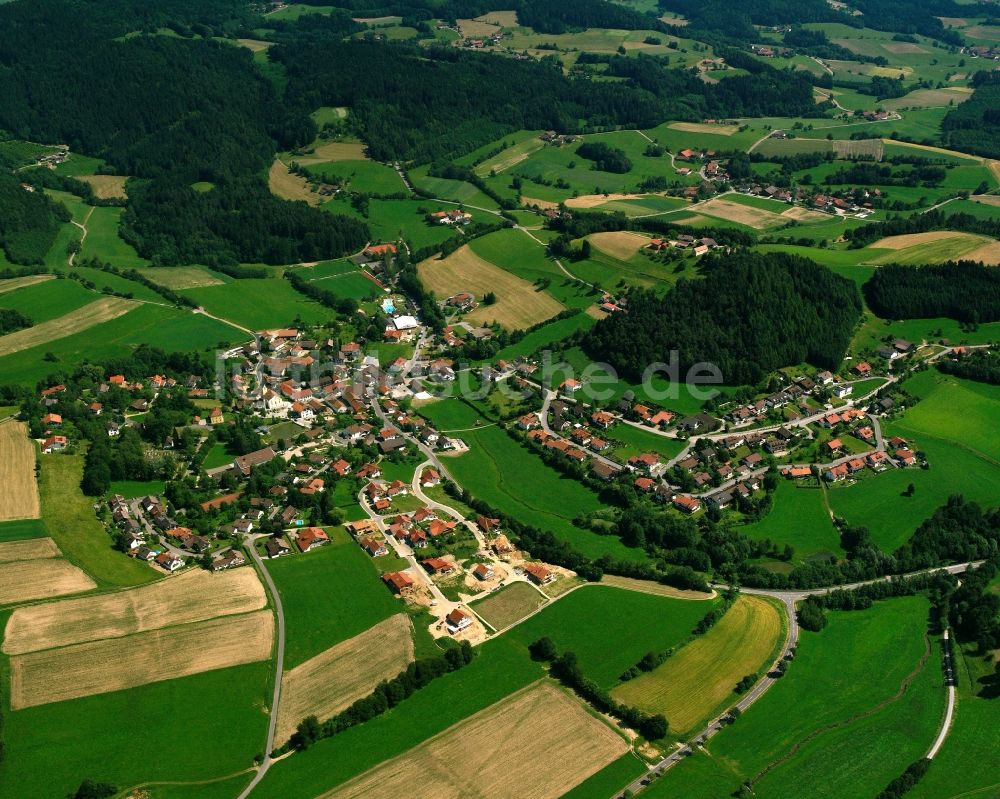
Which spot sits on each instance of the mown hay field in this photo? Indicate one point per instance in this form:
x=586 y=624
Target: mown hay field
x=180 y=277
x=18 y=489
x=932 y=247
x=106 y=187
x=288 y=186
x=189 y=597
x=695 y=682
x=619 y=244
x=115 y=664
x=511 y=604
x=335 y=679
x=537 y=744
x=654 y=588
x=757 y=218
x=23 y=580
x=698 y=127
x=518 y=305
x=29 y=549
x=95 y=313
x=512 y=156
x=14 y=283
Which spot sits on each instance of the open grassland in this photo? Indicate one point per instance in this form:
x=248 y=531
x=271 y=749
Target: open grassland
x=28 y=549
x=182 y=599
x=553 y=741
x=699 y=680
x=107 y=280
x=620 y=244
x=610 y=628
x=332 y=151
x=515 y=481
x=546 y=336
x=511 y=156
x=21 y=581
x=288 y=186
x=654 y=588
x=519 y=304
x=930 y=98
x=115 y=664
x=22 y=530
x=258 y=303
x=510 y=605
x=90 y=315
x=697 y=127
x=18 y=490
x=833 y=722
x=366 y=176
x=14 y=283
x=799 y=517
x=329 y=596
x=122 y=737
x=181 y=277
x=43 y=302
x=170 y=329
x=107 y=187
x=335 y=679
x=103 y=241
x=69 y=517
x=932 y=247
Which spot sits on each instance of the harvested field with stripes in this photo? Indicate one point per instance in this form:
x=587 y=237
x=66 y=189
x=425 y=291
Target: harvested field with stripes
x=95 y=313
x=18 y=489
x=23 y=580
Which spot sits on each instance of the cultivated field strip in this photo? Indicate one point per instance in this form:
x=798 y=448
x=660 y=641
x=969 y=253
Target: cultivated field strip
x=116 y=664
x=620 y=244
x=651 y=587
x=14 y=283
x=23 y=580
x=90 y=315
x=18 y=489
x=697 y=679
x=190 y=597
x=31 y=549
x=537 y=744
x=335 y=679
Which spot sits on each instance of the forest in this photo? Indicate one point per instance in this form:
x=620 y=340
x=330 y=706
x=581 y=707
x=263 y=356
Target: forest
x=751 y=314
x=29 y=222
x=605 y=158
x=974 y=126
x=963 y=290
x=71 y=78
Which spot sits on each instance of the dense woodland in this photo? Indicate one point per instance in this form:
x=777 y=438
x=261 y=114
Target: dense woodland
x=29 y=221
x=962 y=290
x=70 y=78
x=983 y=366
x=974 y=126
x=11 y=320
x=750 y=315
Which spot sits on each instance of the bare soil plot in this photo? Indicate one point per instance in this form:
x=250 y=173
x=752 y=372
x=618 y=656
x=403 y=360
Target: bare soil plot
x=511 y=604
x=189 y=597
x=987 y=199
x=519 y=305
x=288 y=186
x=994 y=167
x=95 y=313
x=594 y=200
x=254 y=45
x=694 y=682
x=335 y=679
x=536 y=744
x=989 y=254
x=870 y=148
x=31 y=549
x=476 y=28
x=757 y=218
x=699 y=127
x=18 y=489
x=505 y=19
x=800 y=214
x=23 y=580
x=180 y=277
x=116 y=664
x=651 y=587
x=542 y=205
x=619 y=244
x=106 y=187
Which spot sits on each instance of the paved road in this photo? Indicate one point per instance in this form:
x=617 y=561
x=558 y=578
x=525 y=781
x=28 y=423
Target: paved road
x=276 y=696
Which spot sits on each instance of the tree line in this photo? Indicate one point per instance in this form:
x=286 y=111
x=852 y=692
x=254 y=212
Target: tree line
x=974 y=126
x=963 y=290
x=983 y=366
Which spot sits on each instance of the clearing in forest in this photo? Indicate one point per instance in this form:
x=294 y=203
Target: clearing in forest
x=106 y=187
x=283 y=183
x=335 y=679
x=537 y=744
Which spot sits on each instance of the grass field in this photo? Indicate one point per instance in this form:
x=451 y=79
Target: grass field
x=48 y=300
x=106 y=186
x=104 y=242
x=953 y=426
x=699 y=680
x=70 y=519
x=329 y=595
x=115 y=664
x=546 y=336
x=610 y=628
x=621 y=244
x=23 y=530
x=185 y=598
x=635 y=441
x=365 y=176
x=555 y=743
x=14 y=283
x=84 y=318
x=182 y=277
x=519 y=304
x=106 y=280
x=326 y=684
x=824 y=695
x=18 y=489
x=934 y=247
x=258 y=303
x=511 y=604
x=799 y=517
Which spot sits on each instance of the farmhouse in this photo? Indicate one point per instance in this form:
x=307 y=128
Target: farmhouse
x=311 y=538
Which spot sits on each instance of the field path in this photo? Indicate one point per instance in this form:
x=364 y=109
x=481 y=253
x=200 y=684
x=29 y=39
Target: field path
x=278 y=673
x=558 y=263
x=83 y=227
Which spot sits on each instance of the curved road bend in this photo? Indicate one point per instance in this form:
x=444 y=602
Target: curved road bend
x=279 y=671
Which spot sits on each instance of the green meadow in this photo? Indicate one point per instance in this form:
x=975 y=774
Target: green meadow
x=630 y=441
x=49 y=299
x=259 y=303
x=102 y=240
x=22 y=529
x=799 y=517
